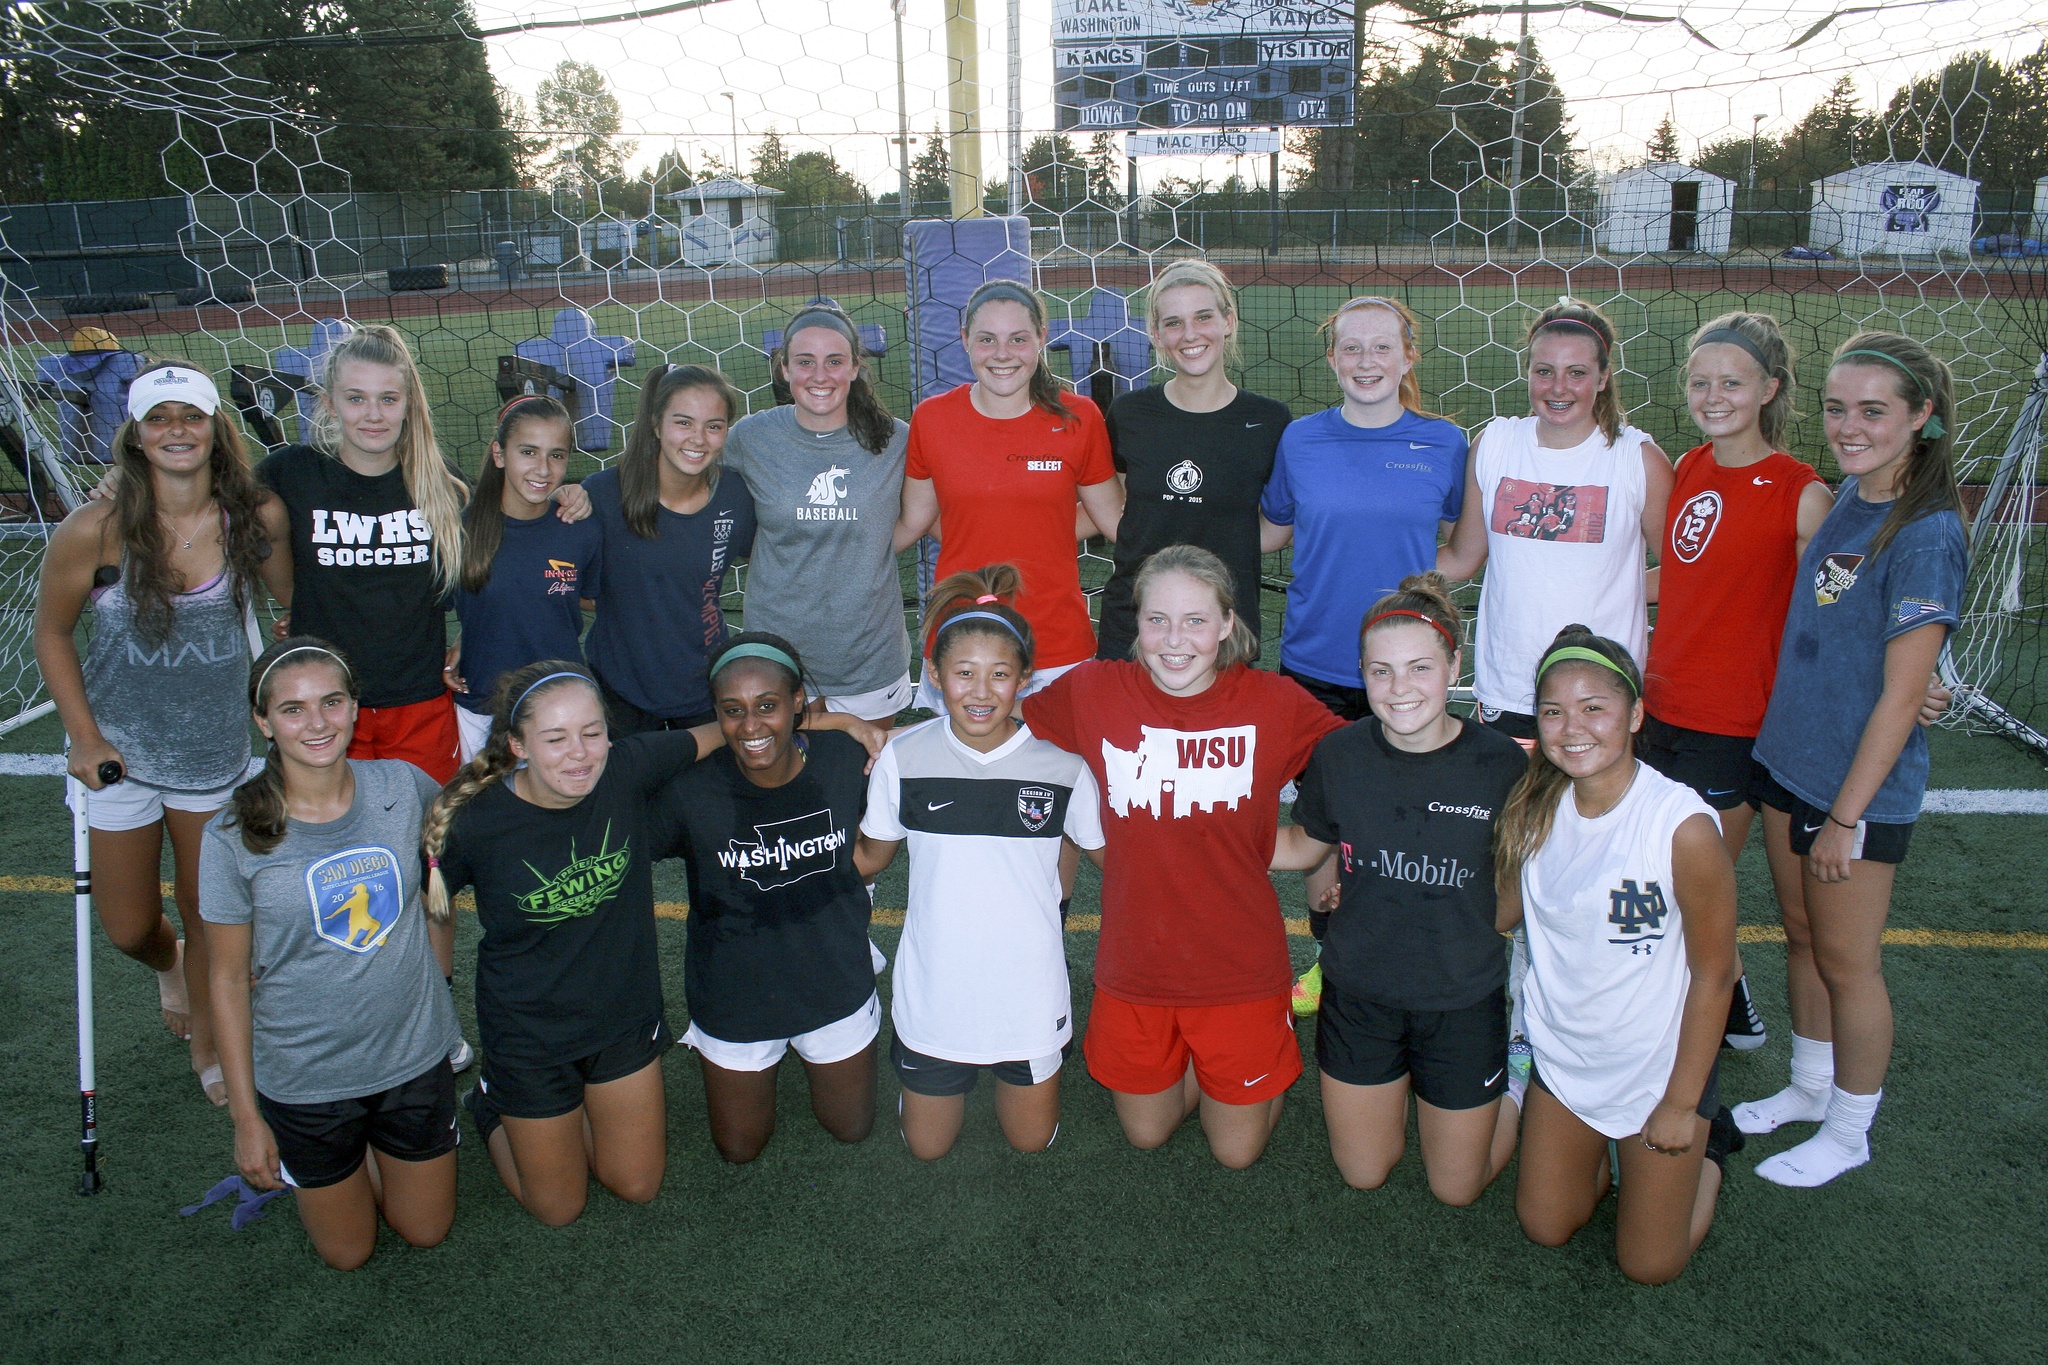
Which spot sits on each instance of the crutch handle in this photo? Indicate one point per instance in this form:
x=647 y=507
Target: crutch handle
x=110 y=772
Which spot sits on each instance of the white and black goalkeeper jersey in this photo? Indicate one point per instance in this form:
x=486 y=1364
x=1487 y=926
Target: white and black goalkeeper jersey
x=981 y=976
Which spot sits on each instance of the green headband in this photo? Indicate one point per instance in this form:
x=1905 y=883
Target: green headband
x=1568 y=653
x=755 y=650
x=1935 y=428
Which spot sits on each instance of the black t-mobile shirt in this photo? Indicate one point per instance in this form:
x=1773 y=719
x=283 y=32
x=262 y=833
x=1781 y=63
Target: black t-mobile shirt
x=778 y=915
x=1190 y=478
x=567 y=963
x=1414 y=837
x=363 y=573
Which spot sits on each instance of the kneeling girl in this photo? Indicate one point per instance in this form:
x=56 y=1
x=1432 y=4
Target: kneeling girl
x=981 y=976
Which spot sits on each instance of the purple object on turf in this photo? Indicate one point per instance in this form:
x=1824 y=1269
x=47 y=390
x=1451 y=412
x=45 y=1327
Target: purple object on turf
x=251 y=1204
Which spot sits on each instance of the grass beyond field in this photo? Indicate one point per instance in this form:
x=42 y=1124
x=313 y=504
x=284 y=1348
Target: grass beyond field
x=1090 y=1252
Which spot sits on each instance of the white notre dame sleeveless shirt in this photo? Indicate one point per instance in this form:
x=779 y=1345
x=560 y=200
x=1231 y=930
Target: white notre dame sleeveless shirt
x=1564 y=543
x=1607 y=971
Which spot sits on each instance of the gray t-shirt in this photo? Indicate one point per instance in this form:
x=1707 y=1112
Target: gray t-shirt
x=823 y=575
x=348 y=999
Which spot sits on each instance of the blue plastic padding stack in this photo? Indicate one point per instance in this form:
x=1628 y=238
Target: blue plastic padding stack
x=944 y=260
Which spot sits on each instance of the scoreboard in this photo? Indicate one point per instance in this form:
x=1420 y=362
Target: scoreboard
x=1203 y=63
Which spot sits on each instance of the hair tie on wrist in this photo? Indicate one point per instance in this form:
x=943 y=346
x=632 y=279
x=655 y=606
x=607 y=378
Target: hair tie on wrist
x=1843 y=823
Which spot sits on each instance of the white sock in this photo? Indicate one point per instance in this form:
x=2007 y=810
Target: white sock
x=1518 y=969
x=1803 y=1101
x=1842 y=1144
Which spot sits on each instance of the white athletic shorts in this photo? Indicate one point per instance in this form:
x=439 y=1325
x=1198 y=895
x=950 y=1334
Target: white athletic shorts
x=881 y=704
x=835 y=1042
x=474 y=729
x=129 y=804
x=929 y=697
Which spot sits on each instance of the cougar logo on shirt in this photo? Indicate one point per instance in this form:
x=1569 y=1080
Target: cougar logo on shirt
x=349 y=540
x=356 y=895
x=1638 y=913
x=824 y=495
x=1034 y=806
x=1576 y=514
x=581 y=886
x=1174 y=773
x=1835 y=576
x=787 y=851
x=1185 y=477
x=1694 y=526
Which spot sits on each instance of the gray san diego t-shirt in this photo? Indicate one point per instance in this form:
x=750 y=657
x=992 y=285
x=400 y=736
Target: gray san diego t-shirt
x=823 y=575
x=348 y=999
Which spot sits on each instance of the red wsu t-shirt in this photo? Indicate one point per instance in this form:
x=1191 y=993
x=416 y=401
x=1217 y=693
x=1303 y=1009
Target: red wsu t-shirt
x=1007 y=490
x=1728 y=561
x=1190 y=799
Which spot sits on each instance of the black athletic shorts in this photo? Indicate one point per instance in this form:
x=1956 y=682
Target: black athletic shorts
x=1455 y=1059
x=1710 y=1097
x=1721 y=768
x=1516 y=725
x=1876 y=841
x=1345 y=703
x=544 y=1092
x=322 y=1144
x=937 y=1077
x=623 y=718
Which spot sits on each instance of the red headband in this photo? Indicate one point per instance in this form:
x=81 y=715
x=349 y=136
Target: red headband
x=1432 y=623
x=1588 y=328
x=522 y=398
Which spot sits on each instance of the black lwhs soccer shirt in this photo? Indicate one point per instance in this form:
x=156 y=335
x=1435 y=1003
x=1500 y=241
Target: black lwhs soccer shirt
x=1414 y=840
x=778 y=914
x=568 y=963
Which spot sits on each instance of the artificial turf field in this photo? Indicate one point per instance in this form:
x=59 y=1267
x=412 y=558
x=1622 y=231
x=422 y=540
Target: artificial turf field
x=1089 y=1252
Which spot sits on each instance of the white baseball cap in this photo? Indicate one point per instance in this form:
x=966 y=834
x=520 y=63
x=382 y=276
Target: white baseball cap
x=172 y=384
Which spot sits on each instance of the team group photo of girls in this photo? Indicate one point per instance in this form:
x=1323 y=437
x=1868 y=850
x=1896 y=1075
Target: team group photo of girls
x=1538 y=683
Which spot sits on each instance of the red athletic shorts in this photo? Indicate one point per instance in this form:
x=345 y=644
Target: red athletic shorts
x=1243 y=1053
x=422 y=733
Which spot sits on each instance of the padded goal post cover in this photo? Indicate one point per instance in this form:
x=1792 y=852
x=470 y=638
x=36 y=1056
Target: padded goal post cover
x=944 y=261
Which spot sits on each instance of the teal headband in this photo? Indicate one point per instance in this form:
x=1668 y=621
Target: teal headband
x=755 y=650
x=1935 y=428
x=1568 y=653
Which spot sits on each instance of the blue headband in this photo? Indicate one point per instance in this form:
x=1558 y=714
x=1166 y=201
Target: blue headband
x=548 y=678
x=1002 y=621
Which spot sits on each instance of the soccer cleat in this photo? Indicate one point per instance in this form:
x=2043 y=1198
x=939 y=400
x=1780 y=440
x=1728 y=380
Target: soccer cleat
x=463 y=1057
x=1724 y=1139
x=1308 y=991
x=1745 y=1026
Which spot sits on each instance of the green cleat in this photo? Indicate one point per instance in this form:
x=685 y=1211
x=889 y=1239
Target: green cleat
x=1308 y=991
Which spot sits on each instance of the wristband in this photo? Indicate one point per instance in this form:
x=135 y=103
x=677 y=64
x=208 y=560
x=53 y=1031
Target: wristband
x=1843 y=823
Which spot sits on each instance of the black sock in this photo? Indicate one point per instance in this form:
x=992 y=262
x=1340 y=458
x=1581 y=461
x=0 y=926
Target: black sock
x=1318 y=923
x=1066 y=902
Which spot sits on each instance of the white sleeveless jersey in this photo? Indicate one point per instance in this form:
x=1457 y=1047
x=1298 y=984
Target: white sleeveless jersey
x=1564 y=543
x=1607 y=971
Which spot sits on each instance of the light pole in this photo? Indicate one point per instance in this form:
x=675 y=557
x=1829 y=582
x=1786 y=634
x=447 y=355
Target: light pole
x=1756 y=123
x=733 y=106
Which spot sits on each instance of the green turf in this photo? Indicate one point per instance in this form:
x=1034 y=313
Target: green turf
x=1091 y=1252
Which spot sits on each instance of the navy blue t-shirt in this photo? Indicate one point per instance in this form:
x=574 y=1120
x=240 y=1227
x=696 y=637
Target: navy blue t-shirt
x=657 y=607
x=530 y=608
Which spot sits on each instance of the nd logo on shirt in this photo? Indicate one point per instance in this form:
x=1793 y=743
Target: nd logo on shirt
x=826 y=493
x=1174 y=773
x=356 y=896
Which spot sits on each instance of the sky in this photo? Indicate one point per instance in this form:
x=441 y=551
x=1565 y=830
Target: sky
x=823 y=72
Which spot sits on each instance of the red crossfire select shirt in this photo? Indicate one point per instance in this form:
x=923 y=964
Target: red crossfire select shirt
x=1191 y=798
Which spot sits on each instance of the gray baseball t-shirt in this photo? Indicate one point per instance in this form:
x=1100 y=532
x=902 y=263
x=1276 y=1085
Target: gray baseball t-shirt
x=348 y=999
x=823 y=574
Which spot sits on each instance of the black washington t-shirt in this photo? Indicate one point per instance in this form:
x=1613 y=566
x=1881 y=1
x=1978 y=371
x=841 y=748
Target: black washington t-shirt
x=568 y=962
x=1190 y=478
x=778 y=914
x=1414 y=836
x=363 y=573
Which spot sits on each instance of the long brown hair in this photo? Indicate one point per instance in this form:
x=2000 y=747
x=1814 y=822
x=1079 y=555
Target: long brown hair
x=1569 y=316
x=866 y=416
x=1410 y=391
x=436 y=491
x=1761 y=330
x=990 y=589
x=1242 y=644
x=1048 y=394
x=640 y=462
x=1919 y=375
x=146 y=574
x=1531 y=807
x=519 y=691
x=259 y=809
x=483 y=523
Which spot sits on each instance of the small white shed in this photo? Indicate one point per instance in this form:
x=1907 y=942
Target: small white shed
x=1893 y=208
x=1666 y=207
x=726 y=222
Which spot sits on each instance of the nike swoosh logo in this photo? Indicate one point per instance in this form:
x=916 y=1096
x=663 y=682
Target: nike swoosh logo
x=1418 y=445
x=1491 y=1079
x=1805 y=828
x=1759 y=480
x=1249 y=425
x=937 y=805
x=1256 y=1079
x=1729 y=792
x=389 y=805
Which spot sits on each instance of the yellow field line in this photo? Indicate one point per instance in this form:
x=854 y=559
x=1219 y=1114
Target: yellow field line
x=1298 y=928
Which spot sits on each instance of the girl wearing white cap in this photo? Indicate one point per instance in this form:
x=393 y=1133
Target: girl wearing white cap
x=170 y=565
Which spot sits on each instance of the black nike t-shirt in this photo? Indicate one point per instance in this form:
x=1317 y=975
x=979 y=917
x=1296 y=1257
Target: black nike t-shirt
x=363 y=573
x=1190 y=478
x=778 y=914
x=1414 y=838
x=567 y=964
